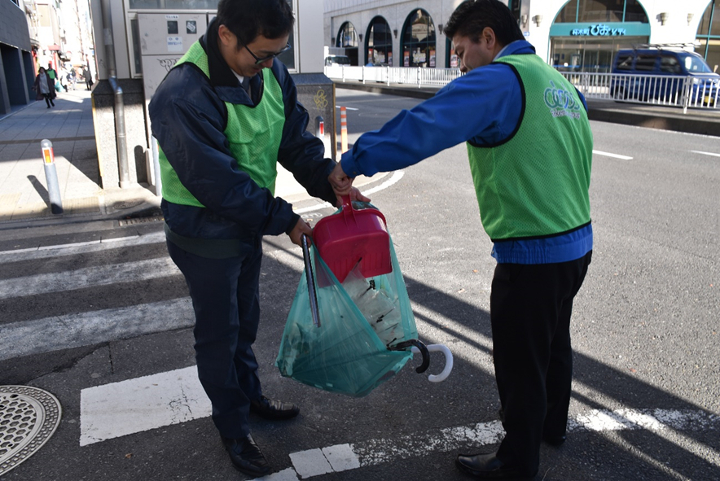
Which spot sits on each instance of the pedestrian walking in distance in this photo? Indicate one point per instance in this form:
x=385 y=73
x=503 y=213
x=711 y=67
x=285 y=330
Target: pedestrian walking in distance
x=42 y=86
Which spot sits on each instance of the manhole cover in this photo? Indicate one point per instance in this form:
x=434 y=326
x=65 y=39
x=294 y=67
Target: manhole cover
x=28 y=418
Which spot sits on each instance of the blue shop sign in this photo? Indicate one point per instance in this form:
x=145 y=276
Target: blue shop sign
x=610 y=29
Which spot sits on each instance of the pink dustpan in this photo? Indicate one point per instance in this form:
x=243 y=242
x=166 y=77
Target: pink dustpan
x=354 y=236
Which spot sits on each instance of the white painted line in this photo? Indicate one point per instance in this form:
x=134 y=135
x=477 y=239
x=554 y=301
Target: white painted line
x=616 y=156
x=346 y=108
x=88 y=277
x=310 y=463
x=397 y=175
x=82 y=248
x=119 y=239
x=65 y=246
x=85 y=329
x=140 y=404
x=341 y=457
x=150 y=402
x=705 y=153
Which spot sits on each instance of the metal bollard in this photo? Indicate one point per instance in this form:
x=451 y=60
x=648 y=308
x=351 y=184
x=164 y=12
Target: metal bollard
x=51 y=177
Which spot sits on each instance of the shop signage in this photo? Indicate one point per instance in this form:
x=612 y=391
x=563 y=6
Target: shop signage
x=599 y=30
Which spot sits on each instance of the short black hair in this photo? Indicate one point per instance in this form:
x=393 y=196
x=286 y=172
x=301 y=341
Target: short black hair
x=471 y=18
x=247 y=19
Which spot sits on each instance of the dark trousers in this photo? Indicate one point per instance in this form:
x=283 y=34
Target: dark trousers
x=530 y=310
x=225 y=298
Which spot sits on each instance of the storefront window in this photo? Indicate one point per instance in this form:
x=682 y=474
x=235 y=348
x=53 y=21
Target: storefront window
x=586 y=34
x=588 y=54
x=577 y=11
x=379 y=43
x=708 y=36
x=418 y=40
x=347 y=38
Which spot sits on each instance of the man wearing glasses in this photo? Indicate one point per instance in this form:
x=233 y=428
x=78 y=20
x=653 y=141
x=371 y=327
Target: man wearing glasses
x=224 y=116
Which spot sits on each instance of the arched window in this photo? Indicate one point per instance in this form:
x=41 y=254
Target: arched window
x=576 y=11
x=708 y=35
x=418 y=40
x=378 y=48
x=347 y=38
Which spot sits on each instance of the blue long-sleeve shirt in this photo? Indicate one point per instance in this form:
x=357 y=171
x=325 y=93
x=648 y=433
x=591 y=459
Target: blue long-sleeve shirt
x=483 y=107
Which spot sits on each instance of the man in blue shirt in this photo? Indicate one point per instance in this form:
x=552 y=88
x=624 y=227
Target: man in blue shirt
x=530 y=150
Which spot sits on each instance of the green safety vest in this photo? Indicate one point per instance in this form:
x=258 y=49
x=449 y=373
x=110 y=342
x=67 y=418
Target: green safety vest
x=536 y=183
x=253 y=132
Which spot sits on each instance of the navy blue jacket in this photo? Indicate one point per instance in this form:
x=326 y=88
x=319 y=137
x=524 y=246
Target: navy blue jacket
x=189 y=116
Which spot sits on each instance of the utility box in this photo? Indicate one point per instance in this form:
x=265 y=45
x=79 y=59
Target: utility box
x=164 y=38
x=316 y=93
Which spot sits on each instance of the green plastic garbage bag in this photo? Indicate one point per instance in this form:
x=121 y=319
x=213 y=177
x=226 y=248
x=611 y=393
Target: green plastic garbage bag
x=348 y=353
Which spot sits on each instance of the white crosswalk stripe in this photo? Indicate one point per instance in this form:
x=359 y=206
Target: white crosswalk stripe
x=88 y=277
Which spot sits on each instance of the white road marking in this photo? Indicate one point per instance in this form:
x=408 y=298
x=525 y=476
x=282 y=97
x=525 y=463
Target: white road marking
x=139 y=404
x=310 y=463
x=149 y=402
x=705 y=153
x=84 y=329
x=616 y=156
x=346 y=108
x=397 y=175
x=44 y=252
x=88 y=277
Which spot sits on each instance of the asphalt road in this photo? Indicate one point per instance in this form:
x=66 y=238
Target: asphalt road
x=646 y=401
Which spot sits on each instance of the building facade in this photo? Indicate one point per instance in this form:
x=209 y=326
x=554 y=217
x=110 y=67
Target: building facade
x=577 y=35
x=17 y=67
x=35 y=33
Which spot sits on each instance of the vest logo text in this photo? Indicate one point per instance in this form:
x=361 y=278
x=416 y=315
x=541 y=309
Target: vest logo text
x=561 y=102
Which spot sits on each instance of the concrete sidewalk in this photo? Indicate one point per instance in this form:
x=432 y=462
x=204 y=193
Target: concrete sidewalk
x=23 y=184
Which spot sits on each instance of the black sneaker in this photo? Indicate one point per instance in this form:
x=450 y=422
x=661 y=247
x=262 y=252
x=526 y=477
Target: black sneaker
x=246 y=456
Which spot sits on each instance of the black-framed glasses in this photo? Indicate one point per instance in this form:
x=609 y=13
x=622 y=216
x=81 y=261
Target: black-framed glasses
x=258 y=60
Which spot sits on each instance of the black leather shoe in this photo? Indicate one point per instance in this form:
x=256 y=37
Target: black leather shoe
x=487 y=466
x=246 y=456
x=274 y=410
x=555 y=440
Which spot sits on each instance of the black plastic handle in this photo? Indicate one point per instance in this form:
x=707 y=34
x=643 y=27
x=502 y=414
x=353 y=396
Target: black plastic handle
x=421 y=347
x=310 y=277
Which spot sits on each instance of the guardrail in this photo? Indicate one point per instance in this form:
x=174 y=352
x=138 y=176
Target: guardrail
x=666 y=90
x=435 y=77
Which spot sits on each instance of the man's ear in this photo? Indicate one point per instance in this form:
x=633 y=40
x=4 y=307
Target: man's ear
x=226 y=36
x=489 y=35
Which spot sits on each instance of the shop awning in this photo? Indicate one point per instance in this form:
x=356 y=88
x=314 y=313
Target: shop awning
x=54 y=47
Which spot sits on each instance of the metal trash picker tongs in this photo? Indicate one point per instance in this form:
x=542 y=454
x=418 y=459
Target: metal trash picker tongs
x=416 y=345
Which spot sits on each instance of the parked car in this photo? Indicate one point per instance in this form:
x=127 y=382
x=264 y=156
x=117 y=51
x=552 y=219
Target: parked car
x=663 y=74
x=336 y=60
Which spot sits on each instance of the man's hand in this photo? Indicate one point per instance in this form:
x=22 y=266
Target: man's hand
x=355 y=195
x=300 y=228
x=340 y=181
